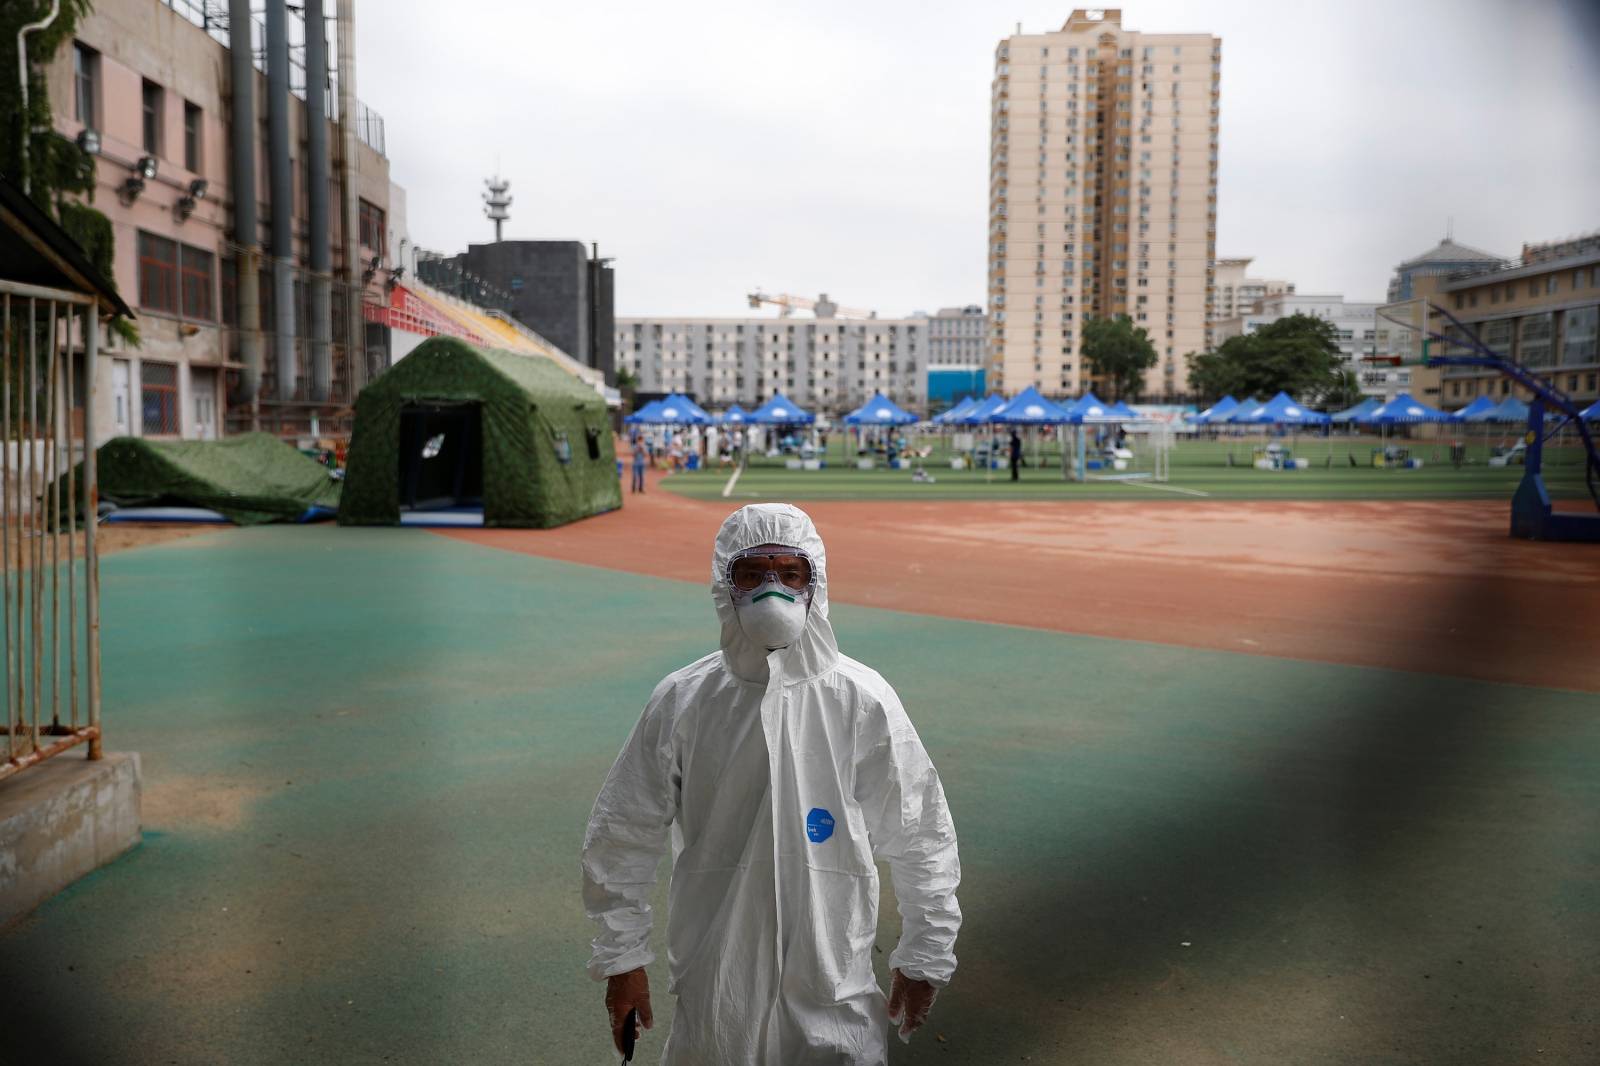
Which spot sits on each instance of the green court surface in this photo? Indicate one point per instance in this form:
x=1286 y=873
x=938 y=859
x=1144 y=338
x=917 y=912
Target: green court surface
x=1197 y=469
x=369 y=756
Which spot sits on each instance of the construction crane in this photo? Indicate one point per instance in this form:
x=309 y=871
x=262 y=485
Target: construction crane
x=822 y=307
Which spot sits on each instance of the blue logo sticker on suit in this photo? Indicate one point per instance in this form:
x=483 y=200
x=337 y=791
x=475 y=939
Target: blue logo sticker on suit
x=819 y=825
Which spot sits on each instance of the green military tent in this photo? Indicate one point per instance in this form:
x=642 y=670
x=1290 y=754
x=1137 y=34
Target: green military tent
x=248 y=479
x=455 y=427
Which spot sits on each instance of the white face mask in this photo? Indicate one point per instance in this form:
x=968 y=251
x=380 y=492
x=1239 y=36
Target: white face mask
x=773 y=621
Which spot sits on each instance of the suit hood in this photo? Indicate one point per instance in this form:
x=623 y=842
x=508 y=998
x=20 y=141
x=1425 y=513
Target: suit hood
x=815 y=651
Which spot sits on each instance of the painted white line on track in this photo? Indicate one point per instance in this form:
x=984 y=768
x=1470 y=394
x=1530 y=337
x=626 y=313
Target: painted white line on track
x=1169 y=488
x=727 y=490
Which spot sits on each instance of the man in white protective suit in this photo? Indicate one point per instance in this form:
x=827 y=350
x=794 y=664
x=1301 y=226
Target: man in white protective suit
x=781 y=771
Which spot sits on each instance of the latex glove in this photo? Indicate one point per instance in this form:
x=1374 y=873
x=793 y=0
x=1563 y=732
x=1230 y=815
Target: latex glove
x=626 y=992
x=910 y=1000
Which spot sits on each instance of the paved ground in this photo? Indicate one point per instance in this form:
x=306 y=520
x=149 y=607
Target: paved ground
x=369 y=755
x=1436 y=586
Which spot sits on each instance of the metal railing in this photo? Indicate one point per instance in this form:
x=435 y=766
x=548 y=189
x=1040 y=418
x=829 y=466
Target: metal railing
x=51 y=705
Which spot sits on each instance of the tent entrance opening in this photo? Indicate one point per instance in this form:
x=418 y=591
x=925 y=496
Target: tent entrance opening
x=441 y=456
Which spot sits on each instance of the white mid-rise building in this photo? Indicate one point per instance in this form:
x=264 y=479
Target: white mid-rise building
x=1354 y=323
x=828 y=365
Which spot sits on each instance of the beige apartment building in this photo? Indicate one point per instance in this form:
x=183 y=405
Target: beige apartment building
x=1541 y=311
x=1102 y=198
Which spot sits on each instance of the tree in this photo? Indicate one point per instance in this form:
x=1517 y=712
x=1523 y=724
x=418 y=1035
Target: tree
x=53 y=166
x=1298 y=355
x=1118 y=351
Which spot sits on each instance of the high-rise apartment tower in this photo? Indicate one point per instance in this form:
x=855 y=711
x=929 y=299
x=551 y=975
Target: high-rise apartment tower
x=1102 y=197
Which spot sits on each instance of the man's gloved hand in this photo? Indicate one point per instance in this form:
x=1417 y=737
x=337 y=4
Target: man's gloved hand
x=626 y=992
x=910 y=1000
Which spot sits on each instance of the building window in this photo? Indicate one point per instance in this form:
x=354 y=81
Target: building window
x=191 y=137
x=153 y=103
x=1533 y=345
x=86 y=79
x=197 y=269
x=158 y=398
x=371 y=217
x=158 y=273
x=1578 y=331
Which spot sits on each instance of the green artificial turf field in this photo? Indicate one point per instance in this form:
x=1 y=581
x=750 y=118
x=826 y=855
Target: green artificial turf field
x=1197 y=468
x=369 y=756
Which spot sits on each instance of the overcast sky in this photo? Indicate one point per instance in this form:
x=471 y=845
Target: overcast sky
x=842 y=147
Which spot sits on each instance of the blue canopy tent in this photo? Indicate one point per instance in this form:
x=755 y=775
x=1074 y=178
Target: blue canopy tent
x=1124 y=412
x=1090 y=409
x=959 y=411
x=1403 y=410
x=1220 y=409
x=982 y=414
x=879 y=411
x=1509 y=409
x=1028 y=408
x=1469 y=412
x=1281 y=410
x=1234 y=417
x=678 y=410
x=644 y=415
x=1591 y=413
x=733 y=416
x=780 y=411
x=1358 y=413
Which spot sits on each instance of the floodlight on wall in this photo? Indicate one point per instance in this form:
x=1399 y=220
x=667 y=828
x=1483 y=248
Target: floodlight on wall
x=88 y=141
x=187 y=202
x=144 y=170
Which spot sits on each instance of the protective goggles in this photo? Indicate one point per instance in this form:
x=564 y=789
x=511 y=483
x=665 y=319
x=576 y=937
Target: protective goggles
x=753 y=568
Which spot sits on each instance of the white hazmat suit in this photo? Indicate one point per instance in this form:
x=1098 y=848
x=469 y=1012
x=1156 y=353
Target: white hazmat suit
x=780 y=778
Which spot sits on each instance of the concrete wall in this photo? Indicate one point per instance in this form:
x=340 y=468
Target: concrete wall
x=549 y=286
x=61 y=819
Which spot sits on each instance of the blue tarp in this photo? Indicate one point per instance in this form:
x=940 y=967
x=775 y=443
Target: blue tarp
x=1358 y=413
x=983 y=414
x=1028 y=408
x=1404 y=410
x=1281 y=410
x=1470 y=412
x=779 y=411
x=645 y=414
x=879 y=411
x=1221 y=409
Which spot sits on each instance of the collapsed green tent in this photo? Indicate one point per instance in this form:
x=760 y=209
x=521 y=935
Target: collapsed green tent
x=455 y=426
x=248 y=479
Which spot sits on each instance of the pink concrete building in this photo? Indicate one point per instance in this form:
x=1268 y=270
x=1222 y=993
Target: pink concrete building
x=286 y=348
